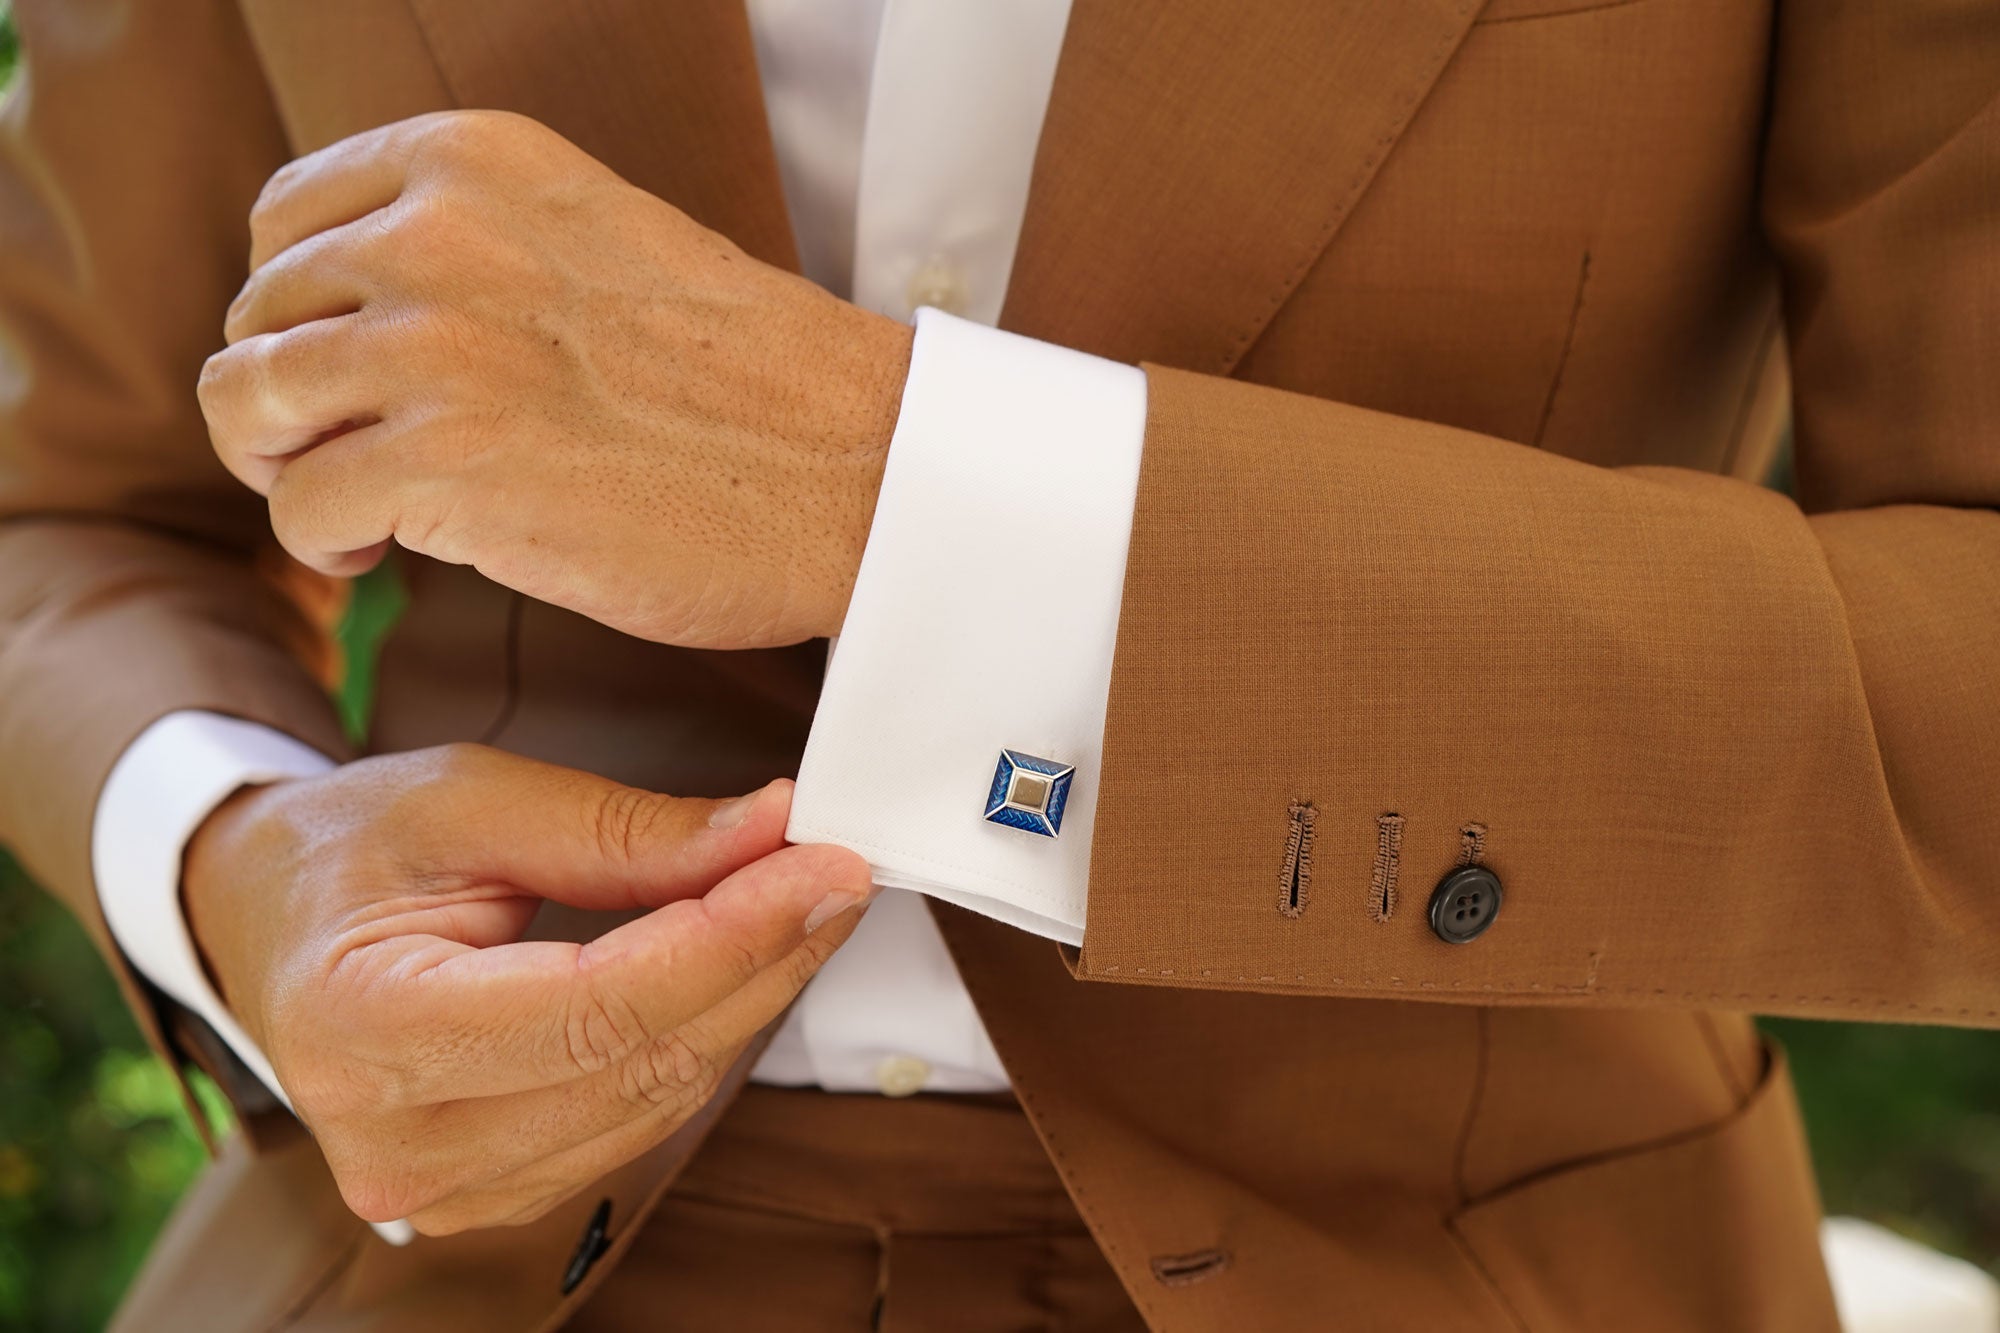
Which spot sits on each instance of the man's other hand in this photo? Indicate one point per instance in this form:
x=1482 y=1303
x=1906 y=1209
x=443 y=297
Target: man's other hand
x=366 y=928
x=463 y=334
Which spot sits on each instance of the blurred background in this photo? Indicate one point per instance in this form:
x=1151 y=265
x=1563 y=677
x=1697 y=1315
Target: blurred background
x=94 y=1145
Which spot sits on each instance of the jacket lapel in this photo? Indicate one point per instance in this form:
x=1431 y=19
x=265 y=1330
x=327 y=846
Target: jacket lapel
x=1196 y=161
x=665 y=94
x=1192 y=167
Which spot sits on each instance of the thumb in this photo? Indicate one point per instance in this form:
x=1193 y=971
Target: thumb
x=520 y=1016
x=573 y=837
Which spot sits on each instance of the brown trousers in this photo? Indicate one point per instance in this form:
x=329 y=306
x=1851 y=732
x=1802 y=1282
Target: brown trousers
x=808 y=1210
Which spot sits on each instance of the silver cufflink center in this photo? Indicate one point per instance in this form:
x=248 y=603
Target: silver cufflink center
x=1029 y=793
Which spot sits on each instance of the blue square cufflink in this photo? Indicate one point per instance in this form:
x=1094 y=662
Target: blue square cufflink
x=1029 y=793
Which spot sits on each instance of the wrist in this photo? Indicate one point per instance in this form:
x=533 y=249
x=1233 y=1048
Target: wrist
x=878 y=398
x=214 y=874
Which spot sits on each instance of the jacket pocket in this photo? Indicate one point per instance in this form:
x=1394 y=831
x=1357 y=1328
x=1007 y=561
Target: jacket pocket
x=1711 y=1231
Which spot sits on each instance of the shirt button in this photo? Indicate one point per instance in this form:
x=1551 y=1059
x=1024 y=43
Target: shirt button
x=938 y=283
x=902 y=1075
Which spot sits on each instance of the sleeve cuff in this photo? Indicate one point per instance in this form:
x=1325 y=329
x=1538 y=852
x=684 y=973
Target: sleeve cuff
x=163 y=786
x=161 y=789
x=983 y=620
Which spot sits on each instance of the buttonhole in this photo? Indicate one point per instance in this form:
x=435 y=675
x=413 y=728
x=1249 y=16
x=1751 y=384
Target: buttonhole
x=1295 y=875
x=1388 y=865
x=1471 y=844
x=1180 y=1270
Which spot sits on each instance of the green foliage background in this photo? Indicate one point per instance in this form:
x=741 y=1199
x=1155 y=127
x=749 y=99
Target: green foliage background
x=94 y=1145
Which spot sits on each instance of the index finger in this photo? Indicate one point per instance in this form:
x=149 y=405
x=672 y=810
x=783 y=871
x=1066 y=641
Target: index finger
x=486 y=1022
x=336 y=185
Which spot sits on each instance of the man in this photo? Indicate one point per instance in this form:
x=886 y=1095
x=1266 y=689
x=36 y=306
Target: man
x=1422 y=737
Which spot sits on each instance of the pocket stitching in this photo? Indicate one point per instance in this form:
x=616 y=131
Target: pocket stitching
x=1478 y=1266
x=1773 y=1069
x=1554 y=12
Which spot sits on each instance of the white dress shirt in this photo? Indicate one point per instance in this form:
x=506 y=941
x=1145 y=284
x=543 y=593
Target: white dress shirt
x=986 y=606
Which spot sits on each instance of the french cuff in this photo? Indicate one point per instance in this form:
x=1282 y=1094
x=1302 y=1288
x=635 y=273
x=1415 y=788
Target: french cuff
x=161 y=789
x=166 y=783
x=960 y=730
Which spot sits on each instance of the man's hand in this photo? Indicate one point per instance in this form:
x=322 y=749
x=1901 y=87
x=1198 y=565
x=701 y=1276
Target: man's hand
x=463 y=334
x=366 y=929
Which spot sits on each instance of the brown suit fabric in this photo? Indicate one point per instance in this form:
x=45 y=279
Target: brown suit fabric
x=921 y=1215
x=1482 y=318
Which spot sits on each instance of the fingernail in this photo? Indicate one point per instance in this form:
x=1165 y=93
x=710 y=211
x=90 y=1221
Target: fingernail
x=832 y=906
x=734 y=812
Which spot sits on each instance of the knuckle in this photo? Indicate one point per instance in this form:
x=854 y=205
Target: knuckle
x=336 y=1090
x=317 y=1096
x=475 y=130
x=672 y=1073
x=602 y=1031
x=803 y=963
x=428 y=236
x=445 y=442
x=682 y=1057
x=418 y=218
x=302 y=263
x=454 y=762
x=217 y=384
x=735 y=949
x=265 y=208
x=394 y=1081
x=282 y=360
x=295 y=514
x=410 y=792
x=426 y=524
x=368 y=247
x=622 y=820
x=373 y=1194
x=451 y=132
x=450 y=141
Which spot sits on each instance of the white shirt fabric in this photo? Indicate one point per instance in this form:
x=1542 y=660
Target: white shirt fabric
x=983 y=619
x=987 y=602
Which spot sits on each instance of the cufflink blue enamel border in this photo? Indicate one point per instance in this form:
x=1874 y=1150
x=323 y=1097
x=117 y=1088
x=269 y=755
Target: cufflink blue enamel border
x=1029 y=793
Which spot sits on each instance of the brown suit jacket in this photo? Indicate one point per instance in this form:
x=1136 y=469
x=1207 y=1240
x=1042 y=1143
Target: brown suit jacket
x=1481 y=318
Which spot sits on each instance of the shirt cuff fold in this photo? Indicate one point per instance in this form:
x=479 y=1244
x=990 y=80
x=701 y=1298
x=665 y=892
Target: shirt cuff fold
x=166 y=783
x=983 y=620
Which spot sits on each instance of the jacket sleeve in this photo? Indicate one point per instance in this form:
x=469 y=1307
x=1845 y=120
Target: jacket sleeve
x=1722 y=749
x=134 y=574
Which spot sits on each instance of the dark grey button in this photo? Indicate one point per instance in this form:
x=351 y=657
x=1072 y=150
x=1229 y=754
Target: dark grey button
x=589 y=1248
x=1465 y=903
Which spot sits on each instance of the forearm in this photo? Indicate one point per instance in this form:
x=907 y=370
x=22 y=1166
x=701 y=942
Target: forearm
x=1726 y=752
